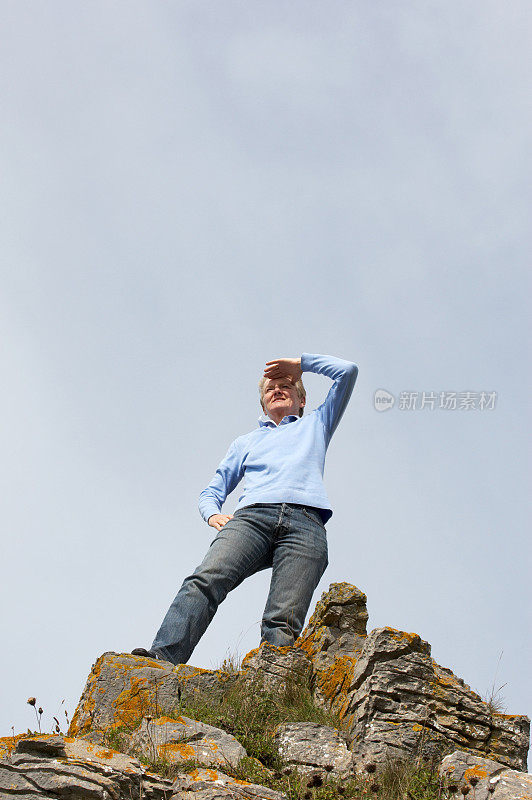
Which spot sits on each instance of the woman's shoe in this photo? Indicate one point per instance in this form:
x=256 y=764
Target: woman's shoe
x=140 y=651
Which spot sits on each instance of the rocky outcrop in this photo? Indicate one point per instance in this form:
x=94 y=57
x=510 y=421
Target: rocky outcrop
x=184 y=739
x=48 y=767
x=122 y=689
x=489 y=780
x=314 y=749
x=395 y=700
x=53 y=767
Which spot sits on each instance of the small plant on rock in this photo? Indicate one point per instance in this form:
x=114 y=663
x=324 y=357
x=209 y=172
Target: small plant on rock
x=38 y=713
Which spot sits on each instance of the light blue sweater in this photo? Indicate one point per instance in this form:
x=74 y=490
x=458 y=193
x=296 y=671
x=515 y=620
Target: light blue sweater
x=284 y=463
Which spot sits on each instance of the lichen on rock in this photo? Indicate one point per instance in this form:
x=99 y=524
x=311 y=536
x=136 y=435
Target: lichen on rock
x=490 y=779
x=122 y=689
x=313 y=748
x=395 y=700
x=184 y=739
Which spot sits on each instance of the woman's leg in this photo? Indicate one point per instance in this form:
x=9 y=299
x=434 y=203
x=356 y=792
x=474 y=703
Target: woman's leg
x=241 y=548
x=300 y=558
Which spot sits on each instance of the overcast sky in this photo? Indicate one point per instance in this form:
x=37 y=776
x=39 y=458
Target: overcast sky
x=193 y=188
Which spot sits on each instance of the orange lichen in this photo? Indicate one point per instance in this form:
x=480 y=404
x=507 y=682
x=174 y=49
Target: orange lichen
x=180 y=749
x=284 y=650
x=312 y=642
x=337 y=677
x=135 y=701
x=212 y=775
x=81 y=721
x=447 y=678
x=165 y=720
x=475 y=772
x=153 y=664
x=198 y=775
x=104 y=753
x=402 y=635
x=192 y=671
x=8 y=743
x=248 y=658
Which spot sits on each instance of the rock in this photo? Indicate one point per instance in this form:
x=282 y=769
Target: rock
x=314 y=748
x=277 y=667
x=489 y=779
x=509 y=739
x=47 y=745
x=209 y=784
x=395 y=700
x=388 y=708
x=54 y=766
x=333 y=640
x=401 y=702
x=184 y=739
x=9 y=743
x=122 y=689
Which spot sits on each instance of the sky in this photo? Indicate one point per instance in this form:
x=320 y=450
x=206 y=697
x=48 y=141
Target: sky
x=192 y=189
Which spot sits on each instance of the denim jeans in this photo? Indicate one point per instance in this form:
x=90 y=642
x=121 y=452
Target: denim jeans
x=291 y=539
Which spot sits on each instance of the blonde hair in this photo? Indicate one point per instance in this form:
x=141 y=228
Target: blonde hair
x=301 y=393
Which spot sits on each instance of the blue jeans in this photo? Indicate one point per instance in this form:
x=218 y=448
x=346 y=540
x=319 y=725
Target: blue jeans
x=291 y=539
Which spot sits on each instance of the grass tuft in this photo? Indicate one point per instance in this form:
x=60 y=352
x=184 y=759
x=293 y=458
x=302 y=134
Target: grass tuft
x=251 y=714
x=493 y=697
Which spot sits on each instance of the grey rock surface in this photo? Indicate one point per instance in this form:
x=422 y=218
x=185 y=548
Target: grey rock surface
x=46 y=745
x=485 y=778
x=394 y=699
x=186 y=739
x=77 y=770
x=122 y=688
x=208 y=784
x=333 y=640
x=401 y=702
x=314 y=748
x=275 y=667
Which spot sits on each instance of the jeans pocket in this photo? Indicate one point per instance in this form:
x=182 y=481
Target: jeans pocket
x=314 y=515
